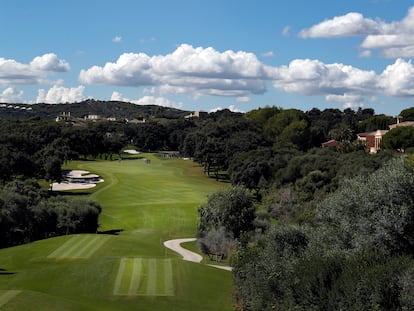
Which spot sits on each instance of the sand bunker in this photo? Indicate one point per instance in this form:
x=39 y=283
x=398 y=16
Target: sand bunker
x=131 y=151
x=77 y=180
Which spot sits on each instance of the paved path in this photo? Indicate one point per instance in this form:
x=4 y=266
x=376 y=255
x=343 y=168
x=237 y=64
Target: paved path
x=175 y=245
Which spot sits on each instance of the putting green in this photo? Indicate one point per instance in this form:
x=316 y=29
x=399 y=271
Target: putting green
x=144 y=277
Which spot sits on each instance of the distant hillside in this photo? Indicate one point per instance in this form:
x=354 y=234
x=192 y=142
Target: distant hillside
x=104 y=109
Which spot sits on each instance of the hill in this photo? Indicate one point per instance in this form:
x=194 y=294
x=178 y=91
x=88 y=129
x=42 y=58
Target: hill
x=106 y=109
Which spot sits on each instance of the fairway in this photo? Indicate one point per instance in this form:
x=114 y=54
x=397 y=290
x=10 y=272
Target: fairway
x=6 y=296
x=126 y=266
x=144 y=277
x=79 y=246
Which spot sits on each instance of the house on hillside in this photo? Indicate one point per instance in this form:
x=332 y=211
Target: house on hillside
x=63 y=117
x=330 y=144
x=400 y=122
x=372 y=140
x=92 y=117
x=197 y=114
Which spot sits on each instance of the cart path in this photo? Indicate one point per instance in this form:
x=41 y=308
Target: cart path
x=175 y=245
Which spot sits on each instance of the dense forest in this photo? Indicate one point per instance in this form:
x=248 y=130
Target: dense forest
x=305 y=227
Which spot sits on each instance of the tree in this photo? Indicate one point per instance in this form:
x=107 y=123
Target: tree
x=232 y=209
x=399 y=138
x=254 y=170
x=216 y=243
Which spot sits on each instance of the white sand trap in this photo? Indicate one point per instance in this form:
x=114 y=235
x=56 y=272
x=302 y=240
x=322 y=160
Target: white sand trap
x=131 y=151
x=80 y=174
x=71 y=186
x=75 y=174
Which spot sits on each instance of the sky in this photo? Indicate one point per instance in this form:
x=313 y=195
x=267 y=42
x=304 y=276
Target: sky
x=210 y=55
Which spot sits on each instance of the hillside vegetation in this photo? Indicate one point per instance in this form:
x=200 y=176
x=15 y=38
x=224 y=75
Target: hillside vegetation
x=305 y=227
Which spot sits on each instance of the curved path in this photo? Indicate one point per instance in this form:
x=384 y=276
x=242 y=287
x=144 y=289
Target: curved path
x=175 y=245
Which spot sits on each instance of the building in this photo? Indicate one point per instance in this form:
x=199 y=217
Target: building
x=197 y=114
x=372 y=140
x=401 y=123
x=330 y=144
x=92 y=117
x=64 y=116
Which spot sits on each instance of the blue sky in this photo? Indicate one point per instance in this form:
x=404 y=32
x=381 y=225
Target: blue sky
x=207 y=55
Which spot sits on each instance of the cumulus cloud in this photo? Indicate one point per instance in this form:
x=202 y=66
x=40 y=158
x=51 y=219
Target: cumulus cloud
x=59 y=94
x=345 y=84
x=10 y=95
x=49 y=62
x=147 y=100
x=205 y=71
x=394 y=39
x=351 y=24
x=347 y=100
x=188 y=70
x=13 y=72
x=312 y=77
x=398 y=79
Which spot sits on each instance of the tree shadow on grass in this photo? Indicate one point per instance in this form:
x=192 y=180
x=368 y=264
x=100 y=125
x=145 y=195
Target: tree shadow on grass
x=131 y=158
x=112 y=231
x=5 y=272
x=69 y=193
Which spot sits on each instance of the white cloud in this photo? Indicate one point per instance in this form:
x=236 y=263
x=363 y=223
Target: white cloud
x=10 y=95
x=49 y=62
x=345 y=84
x=398 y=79
x=60 y=94
x=347 y=100
x=13 y=72
x=394 y=39
x=147 y=100
x=117 y=39
x=312 y=77
x=351 y=24
x=188 y=70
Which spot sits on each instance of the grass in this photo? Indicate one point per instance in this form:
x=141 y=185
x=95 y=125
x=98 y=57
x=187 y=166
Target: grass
x=151 y=203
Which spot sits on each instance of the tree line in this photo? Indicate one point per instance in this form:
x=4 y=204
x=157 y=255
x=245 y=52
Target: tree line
x=29 y=213
x=305 y=223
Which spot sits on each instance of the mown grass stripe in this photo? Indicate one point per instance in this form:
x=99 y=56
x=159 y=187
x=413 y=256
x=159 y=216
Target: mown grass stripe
x=168 y=278
x=74 y=248
x=7 y=296
x=135 y=276
x=152 y=277
x=79 y=252
x=92 y=250
x=68 y=244
x=120 y=276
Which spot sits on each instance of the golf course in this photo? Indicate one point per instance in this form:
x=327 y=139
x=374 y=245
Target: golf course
x=125 y=266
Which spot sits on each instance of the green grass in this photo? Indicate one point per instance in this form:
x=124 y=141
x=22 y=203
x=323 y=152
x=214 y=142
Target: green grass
x=144 y=277
x=151 y=203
